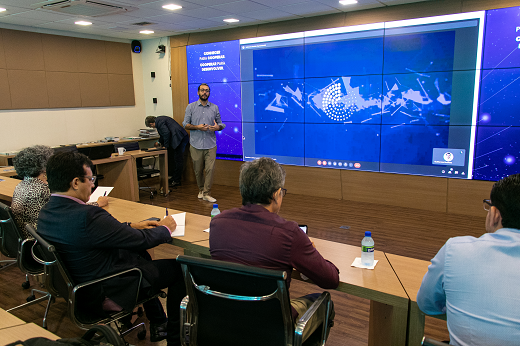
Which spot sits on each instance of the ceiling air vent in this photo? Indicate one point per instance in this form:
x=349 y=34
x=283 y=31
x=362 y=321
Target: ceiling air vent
x=143 y=23
x=87 y=8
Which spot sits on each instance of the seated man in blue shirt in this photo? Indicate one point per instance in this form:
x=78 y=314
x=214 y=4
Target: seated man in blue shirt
x=474 y=281
x=93 y=244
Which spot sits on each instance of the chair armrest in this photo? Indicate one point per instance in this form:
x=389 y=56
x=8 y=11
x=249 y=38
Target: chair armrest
x=185 y=324
x=37 y=259
x=432 y=342
x=302 y=322
x=95 y=281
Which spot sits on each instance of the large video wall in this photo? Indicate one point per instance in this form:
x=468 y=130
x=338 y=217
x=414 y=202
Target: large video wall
x=432 y=96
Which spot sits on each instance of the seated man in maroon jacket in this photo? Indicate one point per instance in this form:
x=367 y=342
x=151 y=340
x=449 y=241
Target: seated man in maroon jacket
x=256 y=235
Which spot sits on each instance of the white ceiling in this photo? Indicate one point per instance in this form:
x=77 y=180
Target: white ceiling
x=195 y=15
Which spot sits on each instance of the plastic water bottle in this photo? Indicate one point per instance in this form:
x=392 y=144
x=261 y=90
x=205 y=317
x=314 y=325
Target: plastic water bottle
x=367 y=250
x=216 y=211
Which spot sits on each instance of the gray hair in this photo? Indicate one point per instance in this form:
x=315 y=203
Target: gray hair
x=31 y=161
x=259 y=180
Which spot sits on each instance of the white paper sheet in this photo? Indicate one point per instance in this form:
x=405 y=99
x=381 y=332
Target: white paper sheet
x=357 y=264
x=98 y=192
x=206 y=230
x=180 y=219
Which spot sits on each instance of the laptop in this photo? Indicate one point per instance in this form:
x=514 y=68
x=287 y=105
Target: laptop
x=98 y=152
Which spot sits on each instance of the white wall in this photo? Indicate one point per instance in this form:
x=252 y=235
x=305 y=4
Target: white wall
x=23 y=128
x=159 y=86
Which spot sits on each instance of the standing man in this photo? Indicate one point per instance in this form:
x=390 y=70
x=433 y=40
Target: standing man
x=202 y=118
x=474 y=281
x=174 y=138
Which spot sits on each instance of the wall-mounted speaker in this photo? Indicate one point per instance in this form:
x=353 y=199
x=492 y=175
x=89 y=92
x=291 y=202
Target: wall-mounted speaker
x=136 y=46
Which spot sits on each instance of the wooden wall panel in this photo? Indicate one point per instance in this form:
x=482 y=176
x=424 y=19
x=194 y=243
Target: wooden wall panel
x=393 y=13
x=478 y=5
x=179 y=40
x=28 y=89
x=63 y=89
x=119 y=60
x=94 y=90
x=179 y=82
x=25 y=51
x=5 y=94
x=401 y=190
x=297 y=25
x=310 y=181
x=226 y=172
x=2 y=53
x=121 y=88
x=91 y=56
x=465 y=196
x=59 y=53
x=223 y=35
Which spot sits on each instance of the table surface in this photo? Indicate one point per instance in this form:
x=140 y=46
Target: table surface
x=7 y=188
x=7 y=171
x=8 y=320
x=380 y=284
x=24 y=332
x=410 y=271
x=127 y=211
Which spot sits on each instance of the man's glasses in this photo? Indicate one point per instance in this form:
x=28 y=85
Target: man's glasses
x=487 y=204
x=91 y=178
x=284 y=192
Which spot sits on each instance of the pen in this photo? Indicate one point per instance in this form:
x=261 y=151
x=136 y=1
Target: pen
x=166 y=211
x=105 y=193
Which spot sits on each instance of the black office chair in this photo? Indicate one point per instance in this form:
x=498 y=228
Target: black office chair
x=142 y=172
x=13 y=244
x=60 y=284
x=229 y=303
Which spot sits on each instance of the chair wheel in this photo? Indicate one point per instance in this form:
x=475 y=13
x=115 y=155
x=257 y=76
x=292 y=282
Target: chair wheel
x=26 y=285
x=31 y=298
x=142 y=334
x=140 y=313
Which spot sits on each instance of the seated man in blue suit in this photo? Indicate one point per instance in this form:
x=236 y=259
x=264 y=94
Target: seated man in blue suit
x=93 y=244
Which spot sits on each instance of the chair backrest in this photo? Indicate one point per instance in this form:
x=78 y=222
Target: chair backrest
x=10 y=235
x=230 y=303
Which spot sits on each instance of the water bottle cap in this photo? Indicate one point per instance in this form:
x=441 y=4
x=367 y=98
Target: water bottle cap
x=215 y=206
x=368 y=234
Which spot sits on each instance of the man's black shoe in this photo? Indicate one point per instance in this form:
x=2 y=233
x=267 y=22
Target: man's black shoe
x=158 y=332
x=174 y=183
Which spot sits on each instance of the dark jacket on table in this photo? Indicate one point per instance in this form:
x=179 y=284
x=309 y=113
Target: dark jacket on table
x=252 y=235
x=170 y=131
x=93 y=244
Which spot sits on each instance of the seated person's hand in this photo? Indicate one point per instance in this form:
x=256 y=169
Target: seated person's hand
x=157 y=144
x=144 y=224
x=169 y=222
x=102 y=201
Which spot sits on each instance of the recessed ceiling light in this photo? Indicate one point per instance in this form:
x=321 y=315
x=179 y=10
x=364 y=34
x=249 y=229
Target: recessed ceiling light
x=2 y=9
x=231 y=20
x=348 y=2
x=82 y=22
x=171 y=7
x=146 y=32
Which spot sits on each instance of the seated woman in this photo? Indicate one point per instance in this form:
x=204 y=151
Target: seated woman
x=32 y=193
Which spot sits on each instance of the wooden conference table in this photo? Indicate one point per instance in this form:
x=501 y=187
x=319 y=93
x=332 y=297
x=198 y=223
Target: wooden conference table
x=120 y=172
x=13 y=329
x=390 y=300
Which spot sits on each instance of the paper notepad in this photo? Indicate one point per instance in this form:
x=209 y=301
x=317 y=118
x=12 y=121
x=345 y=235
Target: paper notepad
x=98 y=192
x=180 y=219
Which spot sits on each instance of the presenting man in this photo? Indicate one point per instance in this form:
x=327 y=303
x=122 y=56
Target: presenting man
x=202 y=118
x=255 y=235
x=93 y=244
x=174 y=138
x=474 y=281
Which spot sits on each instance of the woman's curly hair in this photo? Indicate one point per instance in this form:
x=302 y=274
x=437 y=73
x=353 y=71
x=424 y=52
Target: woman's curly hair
x=31 y=161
